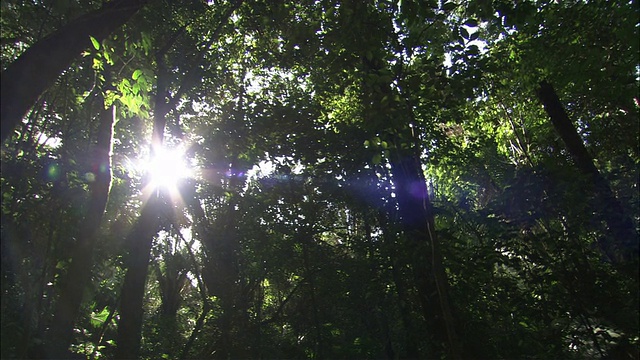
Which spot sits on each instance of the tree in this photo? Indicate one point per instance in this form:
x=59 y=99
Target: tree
x=367 y=180
x=79 y=272
x=624 y=247
x=158 y=204
x=22 y=85
x=140 y=239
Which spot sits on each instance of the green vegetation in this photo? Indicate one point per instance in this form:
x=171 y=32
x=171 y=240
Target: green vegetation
x=342 y=180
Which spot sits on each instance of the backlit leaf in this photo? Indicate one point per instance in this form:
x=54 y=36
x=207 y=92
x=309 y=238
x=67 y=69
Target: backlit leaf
x=464 y=33
x=136 y=74
x=96 y=43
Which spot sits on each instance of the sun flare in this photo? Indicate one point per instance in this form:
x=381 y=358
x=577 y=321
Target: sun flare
x=167 y=168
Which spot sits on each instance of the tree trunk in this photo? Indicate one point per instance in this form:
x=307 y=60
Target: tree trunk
x=24 y=80
x=198 y=216
x=221 y=273
x=171 y=282
x=306 y=240
x=417 y=219
x=139 y=241
x=141 y=237
x=79 y=274
x=624 y=246
x=411 y=350
x=414 y=206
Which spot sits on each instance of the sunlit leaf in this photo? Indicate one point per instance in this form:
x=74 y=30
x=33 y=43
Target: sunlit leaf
x=136 y=74
x=96 y=43
x=97 y=319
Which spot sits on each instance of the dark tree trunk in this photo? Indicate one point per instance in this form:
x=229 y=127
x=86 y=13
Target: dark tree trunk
x=384 y=330
x=141 y=238
x=624 y=246
x=24 y=80
x=139 y=242
x=171 y=283
x=414 y=207
x=306 y=240
x=79 y=274
x=418 y=223
x=221 y=273
x=411 y=350
x=199 y=217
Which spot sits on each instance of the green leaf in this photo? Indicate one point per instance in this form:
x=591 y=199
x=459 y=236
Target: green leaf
x=98 y=319
x=473 y=49
x=369 y=55
x=97 y=64
x=96 y=43
x=136 y=74
x=377 y=159
x=523 y=324
x=108 y=59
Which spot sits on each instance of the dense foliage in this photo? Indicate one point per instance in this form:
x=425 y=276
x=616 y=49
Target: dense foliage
x=368 y=179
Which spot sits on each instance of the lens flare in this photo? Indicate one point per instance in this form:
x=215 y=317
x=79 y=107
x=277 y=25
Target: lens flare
x=167 y=168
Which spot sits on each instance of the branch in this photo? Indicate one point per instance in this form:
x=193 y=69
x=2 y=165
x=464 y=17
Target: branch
x=278 y=312
x=193 y=73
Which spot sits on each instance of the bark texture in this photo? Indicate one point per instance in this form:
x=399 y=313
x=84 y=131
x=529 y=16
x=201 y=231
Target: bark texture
x=24 y=80
x=624 y=246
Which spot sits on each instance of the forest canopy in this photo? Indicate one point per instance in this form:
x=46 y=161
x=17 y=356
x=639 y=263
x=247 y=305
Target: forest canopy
x=318 y=179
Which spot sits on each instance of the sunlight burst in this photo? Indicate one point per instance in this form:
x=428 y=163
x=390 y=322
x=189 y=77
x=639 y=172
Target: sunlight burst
x=167 y=168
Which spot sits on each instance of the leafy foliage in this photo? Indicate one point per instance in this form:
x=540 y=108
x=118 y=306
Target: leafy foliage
x=290 y=241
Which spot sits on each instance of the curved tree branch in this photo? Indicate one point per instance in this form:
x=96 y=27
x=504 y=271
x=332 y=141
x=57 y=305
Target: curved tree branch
x=24 y=80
